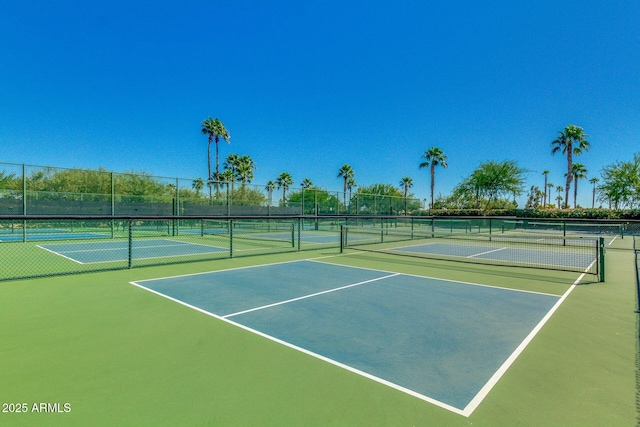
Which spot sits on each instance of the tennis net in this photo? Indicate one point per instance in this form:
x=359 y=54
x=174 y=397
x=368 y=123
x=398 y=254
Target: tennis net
x=550 y=252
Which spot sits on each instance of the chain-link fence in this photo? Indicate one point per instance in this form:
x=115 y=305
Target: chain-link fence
x=45 y=190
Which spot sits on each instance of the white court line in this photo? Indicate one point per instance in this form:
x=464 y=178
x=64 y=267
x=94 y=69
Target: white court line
x=304 y=350
x=486 y=252
x=59 y=254
x=471 y=406
x=309 y=296
x=484 y=391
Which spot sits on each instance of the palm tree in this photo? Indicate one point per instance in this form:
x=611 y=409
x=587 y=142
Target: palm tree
x=215 y=129
x=593 y=181
x=559 y=189
x=231 y=163
x=546 y=174
x=346 y=172
x=270 y=187
x=284 y=181
x=550 y=186
x=245 y=168
x=570 y=142
x=306 y=183
x=227 y=177
x=198 y=185
x=579 y=172
x=433 y=157
x=406 y=183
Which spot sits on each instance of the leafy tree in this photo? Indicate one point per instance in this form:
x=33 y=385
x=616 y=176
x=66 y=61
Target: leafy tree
x=621 y=184
x=346 y=172
x=433 y=157
x=321 y=200
x=215 y=130
x=284 y=181
x=571 y=142
x=490 y=182
x=382 y=199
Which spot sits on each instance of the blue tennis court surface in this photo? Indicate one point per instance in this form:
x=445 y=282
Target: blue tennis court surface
x=118 y=250
x=441 y=341
x=580 y=261
x=37 y=236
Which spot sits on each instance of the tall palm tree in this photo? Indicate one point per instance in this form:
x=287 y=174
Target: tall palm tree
x=215 y=130
x=433 y=157
x=593 y=181
x=284 y=181
x=198 y=185
x=406 y=183
x=559 y=189
x=546 y=175
x=579 y=172
x=346 y=172
x=571 y=142
x=550 y=186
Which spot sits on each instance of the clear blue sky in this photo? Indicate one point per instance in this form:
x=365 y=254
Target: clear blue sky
x=307 y=86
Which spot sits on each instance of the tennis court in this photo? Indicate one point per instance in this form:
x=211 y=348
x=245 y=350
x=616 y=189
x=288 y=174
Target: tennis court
x=540 y=256
x=118 y=250
x=293 y=321
x=34 y=235
x=443 y=341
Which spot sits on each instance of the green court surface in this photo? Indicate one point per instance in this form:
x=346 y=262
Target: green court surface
x=117 y=354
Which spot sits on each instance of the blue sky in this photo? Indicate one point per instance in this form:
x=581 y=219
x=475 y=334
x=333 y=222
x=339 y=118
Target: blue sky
x=307 y=86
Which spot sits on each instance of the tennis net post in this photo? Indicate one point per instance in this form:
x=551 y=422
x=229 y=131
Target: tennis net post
x=601 y=258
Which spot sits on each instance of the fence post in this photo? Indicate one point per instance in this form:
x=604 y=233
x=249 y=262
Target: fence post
x=601 y=260
x=130 y=243
x=230 y=238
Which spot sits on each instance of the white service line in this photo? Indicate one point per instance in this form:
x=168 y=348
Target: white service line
x=308 y=296
x=487 y=252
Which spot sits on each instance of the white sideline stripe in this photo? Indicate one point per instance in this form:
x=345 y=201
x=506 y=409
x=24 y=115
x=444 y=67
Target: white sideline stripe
x=309 y=296
x=484 y=391
x=310 y=353
x=498 y=374
x=486 y=252
x=59 y=254
x=126 y=247
x=477 y=399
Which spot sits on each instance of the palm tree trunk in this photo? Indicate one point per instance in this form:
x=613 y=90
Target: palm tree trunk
x=575 y=192
x=569 y=174
x=433 y=174
x=209 y=169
